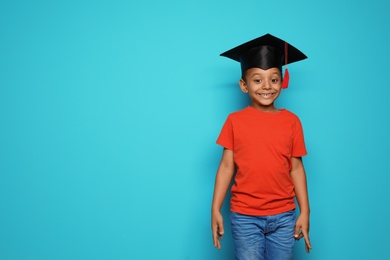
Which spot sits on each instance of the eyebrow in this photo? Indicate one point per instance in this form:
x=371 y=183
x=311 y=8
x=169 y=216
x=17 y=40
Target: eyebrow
x=260 y=74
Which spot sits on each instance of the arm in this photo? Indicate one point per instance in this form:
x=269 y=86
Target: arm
x=222 y=182
x=302 y=225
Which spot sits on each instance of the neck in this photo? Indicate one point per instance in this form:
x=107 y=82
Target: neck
x=268 y=109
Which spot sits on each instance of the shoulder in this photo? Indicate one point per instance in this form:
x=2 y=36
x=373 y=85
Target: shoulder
x=290 y=115
x=243 y=111
x=239 y=113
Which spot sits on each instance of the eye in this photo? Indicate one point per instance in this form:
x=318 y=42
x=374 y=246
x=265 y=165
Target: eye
x=275 y=80
x=257 y=80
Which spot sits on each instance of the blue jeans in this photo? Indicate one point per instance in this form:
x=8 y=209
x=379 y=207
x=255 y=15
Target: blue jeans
x=263 y=238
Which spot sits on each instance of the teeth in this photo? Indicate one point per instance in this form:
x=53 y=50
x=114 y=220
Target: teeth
x=265 y=95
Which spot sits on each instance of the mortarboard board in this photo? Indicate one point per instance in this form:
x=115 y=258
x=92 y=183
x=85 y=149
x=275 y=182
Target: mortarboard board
x=265 y=52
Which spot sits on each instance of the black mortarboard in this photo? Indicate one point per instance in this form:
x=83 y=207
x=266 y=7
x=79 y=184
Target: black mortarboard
x=265 y=52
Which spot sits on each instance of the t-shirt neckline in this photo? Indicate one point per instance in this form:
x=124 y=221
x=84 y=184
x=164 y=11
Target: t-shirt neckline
x=281 y=110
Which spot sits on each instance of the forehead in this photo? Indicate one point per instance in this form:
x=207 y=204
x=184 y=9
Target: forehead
x=258 y=71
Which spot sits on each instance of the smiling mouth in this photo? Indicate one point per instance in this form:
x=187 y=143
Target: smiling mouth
x=266 y=95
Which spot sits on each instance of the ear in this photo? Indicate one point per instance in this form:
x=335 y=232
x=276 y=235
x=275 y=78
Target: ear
x=243 y=86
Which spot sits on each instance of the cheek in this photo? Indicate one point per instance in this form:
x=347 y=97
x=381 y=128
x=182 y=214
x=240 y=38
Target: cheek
x=278 y=86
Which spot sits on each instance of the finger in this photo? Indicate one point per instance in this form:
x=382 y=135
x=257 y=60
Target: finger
x=298 y=237
x=307 y=241
x=217 y=237
x=220 y=237
x=297 y=233
x=219 y=244
x=307 y=248
x=221 y=230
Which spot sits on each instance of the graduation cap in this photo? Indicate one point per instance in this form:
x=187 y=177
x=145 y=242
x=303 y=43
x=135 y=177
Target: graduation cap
x=265 y=52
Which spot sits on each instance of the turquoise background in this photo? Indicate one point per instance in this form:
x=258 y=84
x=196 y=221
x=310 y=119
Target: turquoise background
x=109 y=112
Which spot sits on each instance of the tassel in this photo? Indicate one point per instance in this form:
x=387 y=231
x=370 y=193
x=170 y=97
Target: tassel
x=286 y=79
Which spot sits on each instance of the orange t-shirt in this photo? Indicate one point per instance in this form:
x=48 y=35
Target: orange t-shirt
x=262 y=144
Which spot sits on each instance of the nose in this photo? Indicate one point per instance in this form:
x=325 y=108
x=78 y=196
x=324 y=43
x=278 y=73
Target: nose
x=266 y=85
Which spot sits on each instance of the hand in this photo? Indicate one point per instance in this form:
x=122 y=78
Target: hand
x=302 y=227
x=217 y=228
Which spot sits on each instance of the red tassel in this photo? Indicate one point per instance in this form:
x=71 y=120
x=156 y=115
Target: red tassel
x=286 y=79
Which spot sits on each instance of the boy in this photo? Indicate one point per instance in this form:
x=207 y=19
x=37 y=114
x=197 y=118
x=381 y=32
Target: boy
x=265 y=145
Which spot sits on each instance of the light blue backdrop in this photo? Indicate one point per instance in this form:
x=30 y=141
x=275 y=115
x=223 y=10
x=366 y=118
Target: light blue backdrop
x=109 y=112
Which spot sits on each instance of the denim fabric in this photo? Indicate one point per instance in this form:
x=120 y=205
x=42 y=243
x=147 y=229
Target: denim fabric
x=263 y=238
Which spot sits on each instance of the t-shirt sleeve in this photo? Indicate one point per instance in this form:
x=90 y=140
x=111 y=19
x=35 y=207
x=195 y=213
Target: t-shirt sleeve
x=299 y=147
x=225 y=138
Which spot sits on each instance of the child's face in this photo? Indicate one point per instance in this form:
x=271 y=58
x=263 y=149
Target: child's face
x=263 y=87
